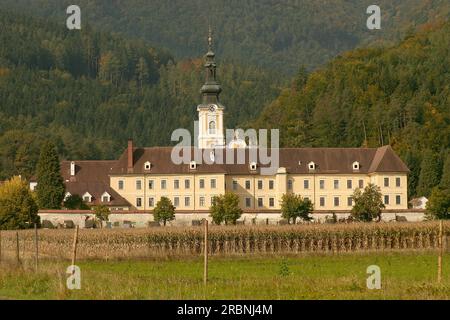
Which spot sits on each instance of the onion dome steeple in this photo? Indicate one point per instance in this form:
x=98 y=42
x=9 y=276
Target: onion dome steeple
x=211 y=89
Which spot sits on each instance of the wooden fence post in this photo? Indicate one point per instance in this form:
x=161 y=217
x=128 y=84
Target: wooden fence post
x=17 y=248
x=36 y=247
x=74 y=247
x=441 y=249
x=205 y=270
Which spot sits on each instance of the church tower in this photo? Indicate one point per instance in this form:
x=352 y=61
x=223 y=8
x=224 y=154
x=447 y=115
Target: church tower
x=210 y=112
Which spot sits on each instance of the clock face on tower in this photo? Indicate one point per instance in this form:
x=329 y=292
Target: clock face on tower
x=212 y=108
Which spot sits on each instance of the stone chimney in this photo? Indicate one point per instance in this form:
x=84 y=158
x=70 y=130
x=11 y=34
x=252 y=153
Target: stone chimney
x=130 y=152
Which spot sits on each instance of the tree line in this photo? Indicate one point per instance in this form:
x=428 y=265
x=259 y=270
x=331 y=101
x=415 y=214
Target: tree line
x=89 y=92
x=371 y=97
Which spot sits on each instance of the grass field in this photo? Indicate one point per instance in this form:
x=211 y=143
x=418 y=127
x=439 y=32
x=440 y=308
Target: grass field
x=405 y=275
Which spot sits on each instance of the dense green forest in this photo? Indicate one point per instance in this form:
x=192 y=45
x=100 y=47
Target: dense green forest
x=398 y=95
x=277 y=34
x=91 y=91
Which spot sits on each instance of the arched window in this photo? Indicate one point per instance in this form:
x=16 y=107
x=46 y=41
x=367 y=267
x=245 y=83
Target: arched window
x=212 y=127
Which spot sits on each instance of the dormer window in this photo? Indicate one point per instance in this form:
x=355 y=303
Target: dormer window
x=67 y=196
x=193 y=165
x=356 y=166
x=106 y=197
x=87 y=197
x=147 y=166
x=312 y=166
x=253 y=166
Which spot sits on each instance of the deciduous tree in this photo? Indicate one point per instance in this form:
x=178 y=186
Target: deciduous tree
x=368 y=204
x=18 y=210
x=164 y=211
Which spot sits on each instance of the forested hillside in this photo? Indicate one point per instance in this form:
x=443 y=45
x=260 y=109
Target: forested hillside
x=278 y=34
x=373 y=97
x=92 y=91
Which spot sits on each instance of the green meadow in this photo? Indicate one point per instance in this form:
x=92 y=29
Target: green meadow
x=411 y=275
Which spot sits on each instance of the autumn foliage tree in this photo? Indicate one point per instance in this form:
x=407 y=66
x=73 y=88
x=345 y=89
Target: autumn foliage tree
x=18 y=210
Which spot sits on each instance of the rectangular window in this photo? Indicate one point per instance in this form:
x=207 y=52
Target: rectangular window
x=398 y=182
x=187 y=184
x=105 y=199
x=235 y=185
x=151 y=184
x=248 y=202
x=386 y=200
x=271 y=202
x=398 y=200
x=322 y=201
x=138 y=202
x=176 y=184
x=176 y=202
x=260 y=202
x=187 y=202
x=202 y=184
x=336 y=201
x=213 y=183
x=322 y=184
x=361 y=184
x=271 y=184
x=247 y=184
x=120 y=184
x=336 y=184
x=138 y=184
x=163 y=184
x=213 y=201
x=306 y=184
x=386 y=182
x=290 y=184
x=151 y=202
x=202 y=201
x=349 y=184
x=260 y=184
x=350 y=201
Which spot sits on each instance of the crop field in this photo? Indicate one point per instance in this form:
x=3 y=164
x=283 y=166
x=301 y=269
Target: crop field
x=270 y=262
x=240 y=240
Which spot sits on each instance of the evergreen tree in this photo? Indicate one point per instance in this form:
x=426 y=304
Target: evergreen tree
x=18 y=210
x=50 y=185
x=429 y=174
x=445 y=179
x=413 y=163
x=438 y=206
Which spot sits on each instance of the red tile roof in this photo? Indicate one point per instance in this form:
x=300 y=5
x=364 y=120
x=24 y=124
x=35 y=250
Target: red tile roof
x=92 y=177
